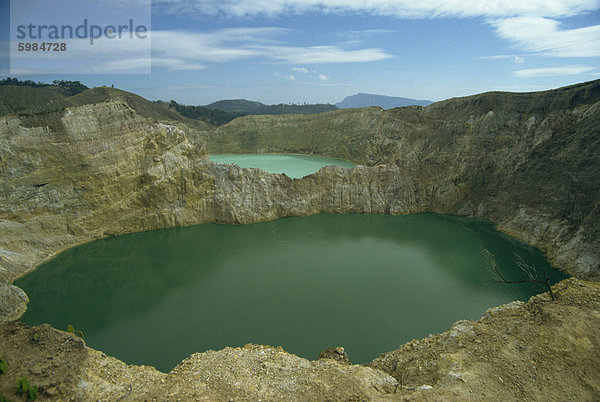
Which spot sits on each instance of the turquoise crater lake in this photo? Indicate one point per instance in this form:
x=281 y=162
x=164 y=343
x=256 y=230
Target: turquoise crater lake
x=365 y=282
x=293 y=165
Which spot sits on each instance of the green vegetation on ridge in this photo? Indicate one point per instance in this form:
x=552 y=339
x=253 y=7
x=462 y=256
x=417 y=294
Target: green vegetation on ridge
x=246 y=107
x=211 y=116
x=67 y=88
x=222 y=112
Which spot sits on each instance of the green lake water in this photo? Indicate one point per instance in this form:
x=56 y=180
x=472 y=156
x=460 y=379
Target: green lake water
x=365 y=282
x=294 y=166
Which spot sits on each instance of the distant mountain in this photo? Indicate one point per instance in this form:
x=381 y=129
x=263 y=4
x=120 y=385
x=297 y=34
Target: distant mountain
x=386 y=102
x=245 y=107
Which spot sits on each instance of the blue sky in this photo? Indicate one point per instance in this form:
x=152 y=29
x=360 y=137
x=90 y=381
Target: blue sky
x=321 y=51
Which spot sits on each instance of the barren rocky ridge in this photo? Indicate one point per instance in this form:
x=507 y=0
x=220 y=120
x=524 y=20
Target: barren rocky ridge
x=108 y=165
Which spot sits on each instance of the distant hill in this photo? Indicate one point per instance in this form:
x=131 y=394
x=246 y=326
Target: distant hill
x=216 y=117
x=237 y=106
x=19 y=96
x=67 y=88
x=245 y=107
x=386 y=102
x=16 y=99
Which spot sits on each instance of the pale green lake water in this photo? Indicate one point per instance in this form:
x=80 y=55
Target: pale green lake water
x=294 y=166
x=365 y=282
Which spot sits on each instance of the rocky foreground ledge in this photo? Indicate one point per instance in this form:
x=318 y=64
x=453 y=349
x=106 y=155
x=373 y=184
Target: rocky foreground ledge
x=540 y=350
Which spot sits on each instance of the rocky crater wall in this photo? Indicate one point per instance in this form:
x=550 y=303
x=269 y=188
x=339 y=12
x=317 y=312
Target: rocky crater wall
x=528 y=162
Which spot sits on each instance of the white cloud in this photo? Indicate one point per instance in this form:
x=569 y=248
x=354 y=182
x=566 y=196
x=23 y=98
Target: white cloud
x=357 y=38
x=123 y=65
x=552 y=71
x=285 y=77
x=547 y=37
x=515 y=59
x=395 y=8
x=177 y=64
x=324 y=54
x=531 y=25
x=305 y=71
x=137 y=64
x=213 y=47
x=221 y=46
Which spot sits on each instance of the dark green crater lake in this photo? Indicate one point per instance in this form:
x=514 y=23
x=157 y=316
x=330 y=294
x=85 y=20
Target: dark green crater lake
x=293 y=165
x=365 y=282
